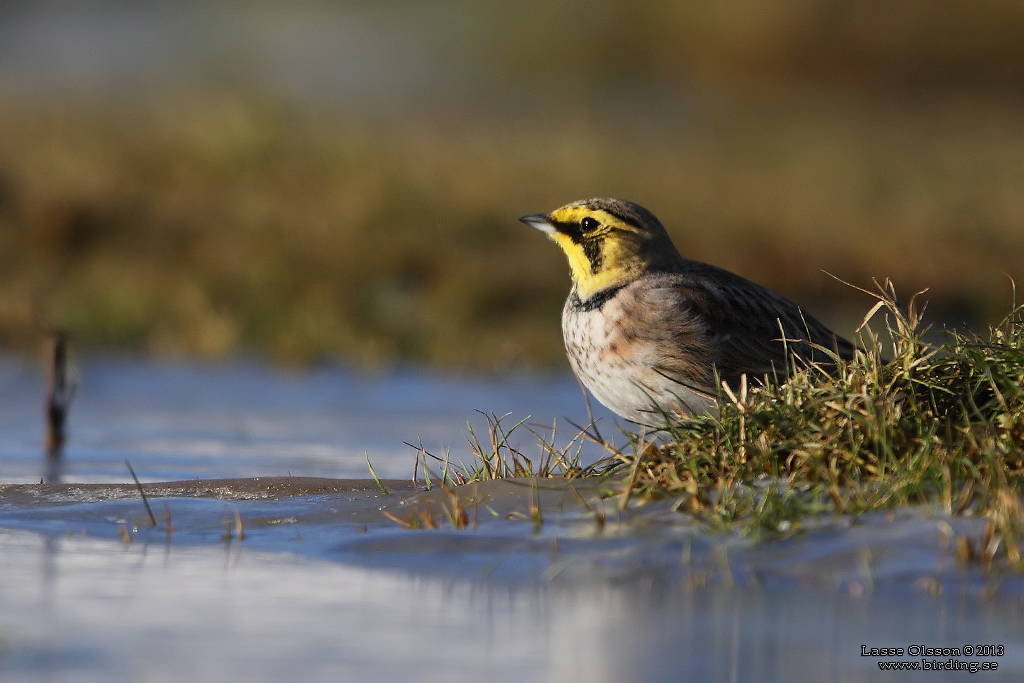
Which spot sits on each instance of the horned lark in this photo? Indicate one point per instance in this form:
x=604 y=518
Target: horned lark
x=646 y=330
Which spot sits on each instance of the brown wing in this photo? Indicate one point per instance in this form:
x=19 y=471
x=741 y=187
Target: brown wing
x=740 y=321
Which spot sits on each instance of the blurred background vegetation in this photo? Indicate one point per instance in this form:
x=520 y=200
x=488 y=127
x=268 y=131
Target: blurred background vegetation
x=342 y=179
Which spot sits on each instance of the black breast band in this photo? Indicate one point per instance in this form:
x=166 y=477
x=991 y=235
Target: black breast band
x=594 y=303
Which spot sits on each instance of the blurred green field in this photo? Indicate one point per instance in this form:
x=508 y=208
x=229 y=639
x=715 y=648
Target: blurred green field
x=778 y=144
x=228 y=223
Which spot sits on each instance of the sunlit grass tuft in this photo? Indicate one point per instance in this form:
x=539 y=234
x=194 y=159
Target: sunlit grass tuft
x=497 y=456
x=906 y=422
x=939 y=425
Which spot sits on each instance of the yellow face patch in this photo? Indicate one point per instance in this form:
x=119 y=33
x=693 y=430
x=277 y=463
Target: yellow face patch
x=603 y=251
x=581 y=266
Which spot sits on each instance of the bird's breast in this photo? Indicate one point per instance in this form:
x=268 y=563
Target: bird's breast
x=617 y=361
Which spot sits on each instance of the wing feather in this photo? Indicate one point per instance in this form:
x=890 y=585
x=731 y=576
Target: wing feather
x=726 y=322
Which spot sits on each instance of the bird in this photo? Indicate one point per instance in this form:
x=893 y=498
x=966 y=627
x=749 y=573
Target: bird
x=652 y=334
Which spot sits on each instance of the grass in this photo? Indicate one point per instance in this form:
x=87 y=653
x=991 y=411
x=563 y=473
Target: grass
x=937 y=424
x=227 y=222
x=906 y=422
x=496 y=457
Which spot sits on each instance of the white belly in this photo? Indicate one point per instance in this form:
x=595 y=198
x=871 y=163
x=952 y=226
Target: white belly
x=621 y=373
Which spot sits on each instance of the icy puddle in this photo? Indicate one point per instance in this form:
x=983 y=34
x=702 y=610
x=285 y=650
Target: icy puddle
x=279 y=563
x=323 y=586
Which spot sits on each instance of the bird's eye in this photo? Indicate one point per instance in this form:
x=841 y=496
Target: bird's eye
x=589 y=224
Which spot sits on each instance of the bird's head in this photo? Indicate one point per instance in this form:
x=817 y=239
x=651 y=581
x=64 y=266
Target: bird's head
x=609 y=242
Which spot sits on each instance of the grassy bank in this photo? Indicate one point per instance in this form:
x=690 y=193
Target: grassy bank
x=937 y=425
x=215 y=223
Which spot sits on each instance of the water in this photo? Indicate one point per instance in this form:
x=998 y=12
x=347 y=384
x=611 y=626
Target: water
x=87 y=611
x=185 y=421
x=323 y=586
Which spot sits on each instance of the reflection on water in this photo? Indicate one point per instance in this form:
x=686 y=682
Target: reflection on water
x=324 y=587
x=186 y=421
x=93 y=610
x=88 y=610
